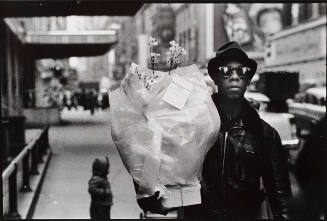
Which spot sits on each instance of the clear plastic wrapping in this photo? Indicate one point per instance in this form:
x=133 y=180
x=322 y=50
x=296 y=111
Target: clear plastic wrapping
x=163 y=146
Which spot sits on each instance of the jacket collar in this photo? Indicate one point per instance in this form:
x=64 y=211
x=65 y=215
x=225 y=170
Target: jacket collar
x=248 y=116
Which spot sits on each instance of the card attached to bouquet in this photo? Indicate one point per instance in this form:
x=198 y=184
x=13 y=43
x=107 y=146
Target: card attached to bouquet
x=178 y=92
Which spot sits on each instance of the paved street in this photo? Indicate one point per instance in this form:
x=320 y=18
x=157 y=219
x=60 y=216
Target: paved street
x=75 y=145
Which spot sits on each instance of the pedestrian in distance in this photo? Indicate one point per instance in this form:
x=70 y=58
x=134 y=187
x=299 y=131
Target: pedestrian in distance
x=75 y=100
x=82 y=100
x=99 y=189
x=90 y=101
x=105 y=101
x=248 y=151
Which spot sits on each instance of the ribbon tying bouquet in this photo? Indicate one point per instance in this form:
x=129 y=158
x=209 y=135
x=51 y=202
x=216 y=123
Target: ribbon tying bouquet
x=163 y=124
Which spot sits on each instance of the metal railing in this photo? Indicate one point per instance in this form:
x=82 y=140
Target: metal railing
x=28 y=159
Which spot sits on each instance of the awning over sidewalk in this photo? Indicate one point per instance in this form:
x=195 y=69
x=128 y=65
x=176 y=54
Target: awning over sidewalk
x=30 y=8
x=65 y=44
x=61 y=44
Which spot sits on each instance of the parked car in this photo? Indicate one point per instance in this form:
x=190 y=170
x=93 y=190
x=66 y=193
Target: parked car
x=308 y=108
x=283 y=122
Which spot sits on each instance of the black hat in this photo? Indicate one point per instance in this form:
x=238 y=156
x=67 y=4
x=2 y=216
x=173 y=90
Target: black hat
x=230 y=51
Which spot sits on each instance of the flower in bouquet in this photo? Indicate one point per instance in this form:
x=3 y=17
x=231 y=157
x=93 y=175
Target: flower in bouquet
x=153 y=41
x=174 y=54
x=153 y=57
x=150 y=80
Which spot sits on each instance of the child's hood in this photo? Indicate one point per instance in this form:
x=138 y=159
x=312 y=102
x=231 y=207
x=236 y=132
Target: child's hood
x=101 y=166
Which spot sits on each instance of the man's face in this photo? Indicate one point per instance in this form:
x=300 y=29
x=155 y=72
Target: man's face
x=232 y=87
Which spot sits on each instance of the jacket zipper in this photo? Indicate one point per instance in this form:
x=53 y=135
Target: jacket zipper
x=223 y=161
x=224 y=154
x=225 y=144
x=222 y=170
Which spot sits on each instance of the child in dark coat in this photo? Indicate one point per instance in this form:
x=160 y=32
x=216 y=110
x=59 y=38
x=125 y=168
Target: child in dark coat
x=99 y=189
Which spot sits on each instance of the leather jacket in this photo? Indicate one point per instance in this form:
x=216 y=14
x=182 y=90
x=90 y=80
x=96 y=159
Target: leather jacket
x=247 y=148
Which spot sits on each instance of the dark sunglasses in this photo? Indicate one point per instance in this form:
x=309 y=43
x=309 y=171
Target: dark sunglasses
x=242 y=72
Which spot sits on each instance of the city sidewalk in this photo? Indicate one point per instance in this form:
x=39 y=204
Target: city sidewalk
x=64 y=192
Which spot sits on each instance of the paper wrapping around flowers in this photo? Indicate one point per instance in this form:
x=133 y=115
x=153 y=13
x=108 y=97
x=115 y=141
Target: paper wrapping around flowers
x=160 y=145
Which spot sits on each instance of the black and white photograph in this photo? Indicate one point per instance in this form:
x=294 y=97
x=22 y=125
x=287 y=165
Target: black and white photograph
x=187 y=110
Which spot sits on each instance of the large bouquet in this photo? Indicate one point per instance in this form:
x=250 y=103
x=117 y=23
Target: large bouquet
x=163 y=124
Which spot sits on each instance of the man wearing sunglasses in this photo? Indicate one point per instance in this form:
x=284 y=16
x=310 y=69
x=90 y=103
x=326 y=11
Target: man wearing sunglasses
x=247 y=149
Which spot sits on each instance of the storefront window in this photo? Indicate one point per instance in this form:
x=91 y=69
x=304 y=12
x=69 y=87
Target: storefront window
x=305 y=12
x=322 y=8
x=287 y=15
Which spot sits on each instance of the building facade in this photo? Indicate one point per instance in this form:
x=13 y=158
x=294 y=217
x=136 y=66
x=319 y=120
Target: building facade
x=92 y=69
x=144 y=28
x=125 y=51
x=12 y=55
x=200 y=30
x=187 y=31
x=36 y=79
x=156 y=20
x=301 y=45
x=15 y=66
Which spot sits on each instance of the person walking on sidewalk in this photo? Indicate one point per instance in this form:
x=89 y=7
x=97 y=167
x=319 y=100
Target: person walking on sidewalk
x=99 y=189
x=247 y=150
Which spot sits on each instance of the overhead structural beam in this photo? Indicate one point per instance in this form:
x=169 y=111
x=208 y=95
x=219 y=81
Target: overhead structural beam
x=63 y=44
x=31 y=8
x=59 y=51
x=69 y=37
